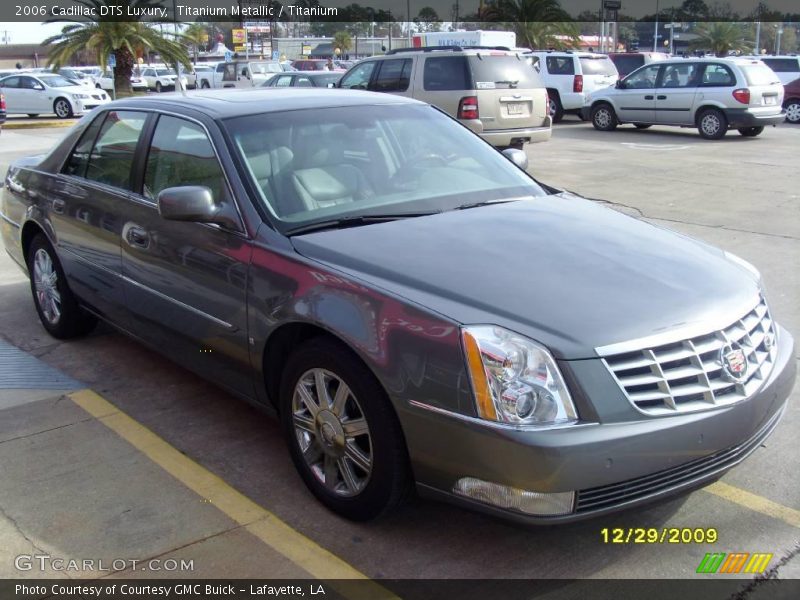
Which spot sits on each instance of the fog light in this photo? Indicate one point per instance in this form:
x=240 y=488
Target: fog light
x=511 y=498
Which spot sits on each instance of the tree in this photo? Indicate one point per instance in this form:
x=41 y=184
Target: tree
x=196 y=35
x=537 y=23
x=124 y=39
x=721 y=38
x=427 y=20
x=692 y=10
x=342 y=41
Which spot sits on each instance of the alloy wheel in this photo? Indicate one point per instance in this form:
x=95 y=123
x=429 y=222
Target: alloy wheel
x=45 y=280
x=602 y=117
x=710 y=124
x=332 y=432
x=62 y=109
x=793 y=112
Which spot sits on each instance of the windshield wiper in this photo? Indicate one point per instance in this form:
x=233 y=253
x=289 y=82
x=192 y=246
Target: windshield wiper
x=488 y=202
x=356 y=221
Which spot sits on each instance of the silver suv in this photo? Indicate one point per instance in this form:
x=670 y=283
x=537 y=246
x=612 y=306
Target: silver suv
x=493 y=92
x=712 y=94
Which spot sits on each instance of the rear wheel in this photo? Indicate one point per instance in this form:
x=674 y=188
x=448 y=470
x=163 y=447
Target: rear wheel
x=642 y=125
x=58 y=308
x=750 y=131
x=793 y=111
x=62 y=108
x=204 y=85
x=712 y=124
x=554 y=106
x=604 y=118
x=343 y=435
x=158 y=86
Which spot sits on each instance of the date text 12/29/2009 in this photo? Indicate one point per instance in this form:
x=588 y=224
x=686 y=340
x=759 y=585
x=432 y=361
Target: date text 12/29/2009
x=659 y=535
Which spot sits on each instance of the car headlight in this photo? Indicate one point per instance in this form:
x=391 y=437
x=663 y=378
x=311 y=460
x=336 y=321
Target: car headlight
x=79 y=96
x=514 y=379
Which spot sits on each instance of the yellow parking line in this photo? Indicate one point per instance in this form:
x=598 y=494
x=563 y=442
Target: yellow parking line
x=755 y=502
x=260 y=522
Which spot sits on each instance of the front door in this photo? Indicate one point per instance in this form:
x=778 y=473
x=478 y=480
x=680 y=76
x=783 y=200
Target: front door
x=636 y=98
x=675 y=93
x=186 y=282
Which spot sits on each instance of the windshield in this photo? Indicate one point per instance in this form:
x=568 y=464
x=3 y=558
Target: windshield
x=597 y=66
x=262 y=68
x=319 y=164
x=759 y=74
x=56 y=81
x=163 y=72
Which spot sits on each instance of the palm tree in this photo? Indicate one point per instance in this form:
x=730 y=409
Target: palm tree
x=342 y=41
x=195 y=35
x=537 y=23
x=123 y=39
x=721 y=38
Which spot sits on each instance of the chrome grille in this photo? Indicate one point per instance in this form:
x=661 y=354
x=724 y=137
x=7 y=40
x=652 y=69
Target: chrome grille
x=689 y=375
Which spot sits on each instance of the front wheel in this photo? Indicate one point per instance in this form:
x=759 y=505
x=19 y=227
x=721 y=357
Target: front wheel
x=604 y=118
x=793 y=111
x=58 y=308
x=712 y=124
x=158 y=86
x=343 y=435
x=62 y=108
x=750 y=131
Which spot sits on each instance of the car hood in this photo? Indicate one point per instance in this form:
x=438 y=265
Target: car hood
x=560 y=269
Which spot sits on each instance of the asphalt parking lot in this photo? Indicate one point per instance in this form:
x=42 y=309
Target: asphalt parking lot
x=219 y=487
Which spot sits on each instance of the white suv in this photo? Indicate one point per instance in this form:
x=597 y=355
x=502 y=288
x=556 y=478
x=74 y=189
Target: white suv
x=787 y=68
x=570 y=76
x=712 y=94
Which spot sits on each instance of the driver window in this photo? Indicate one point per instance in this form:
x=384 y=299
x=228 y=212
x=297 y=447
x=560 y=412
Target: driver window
x=29 y=83
x=643 y=79
x=359 y=77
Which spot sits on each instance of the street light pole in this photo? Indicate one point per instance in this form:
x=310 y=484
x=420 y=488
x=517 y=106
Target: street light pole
x=655 y=35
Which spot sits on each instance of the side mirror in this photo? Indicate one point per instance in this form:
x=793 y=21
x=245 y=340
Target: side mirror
x=195 y=203
x=620 y=85
x=517 y=156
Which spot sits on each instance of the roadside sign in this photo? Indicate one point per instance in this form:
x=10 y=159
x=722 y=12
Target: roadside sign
x=112 y=60
x=239 y=36
x=612 y=4
x=228 y=56
x=238 y=48
x=276 y=55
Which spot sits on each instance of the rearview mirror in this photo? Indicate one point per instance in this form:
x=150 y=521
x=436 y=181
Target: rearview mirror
x=517 y=156
x=195 y=203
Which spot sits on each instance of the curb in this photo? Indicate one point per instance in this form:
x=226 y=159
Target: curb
x=38 y=124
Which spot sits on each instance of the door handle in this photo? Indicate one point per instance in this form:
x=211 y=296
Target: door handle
x=136 y=236
x=648 y=97
x=59 y=205
x=661 y=97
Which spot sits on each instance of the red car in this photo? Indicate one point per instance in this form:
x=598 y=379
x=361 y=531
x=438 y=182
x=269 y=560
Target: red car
x=2 y=111
x=791 y=102
x=313 y=64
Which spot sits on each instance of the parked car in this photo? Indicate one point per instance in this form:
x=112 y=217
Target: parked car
x=492 y=92
x=106 y=82
x=712 y=94
x=413 y=306
x=201 y=77
x=244 y=73
x=161 y=78
x=787 y=68
x=2 y=110
x=313 y=64
x=305 y=79
x=48 y=93
x=791 y=101
x=571 y=76
x=79 y=77
x=627 y=62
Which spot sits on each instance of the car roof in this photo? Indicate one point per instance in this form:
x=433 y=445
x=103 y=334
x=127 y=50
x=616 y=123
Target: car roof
x=226 y=103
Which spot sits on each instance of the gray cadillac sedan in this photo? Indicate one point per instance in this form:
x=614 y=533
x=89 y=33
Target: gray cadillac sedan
x=418 y=311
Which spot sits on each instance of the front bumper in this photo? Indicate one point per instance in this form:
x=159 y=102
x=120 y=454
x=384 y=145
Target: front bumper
x=745 y=118
x=508 y=137
x=610 y=466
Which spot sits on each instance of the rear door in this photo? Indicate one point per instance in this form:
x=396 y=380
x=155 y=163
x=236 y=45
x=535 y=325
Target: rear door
x=392 y=76
x=675 y=94
x=635 y=101
x=185 y=283
x=510 y=93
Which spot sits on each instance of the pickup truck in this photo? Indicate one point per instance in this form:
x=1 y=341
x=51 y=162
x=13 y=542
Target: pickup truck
x=244 y=73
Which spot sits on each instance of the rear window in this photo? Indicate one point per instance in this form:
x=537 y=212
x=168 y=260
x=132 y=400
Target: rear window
x=597 y=66
x=502 y=72
x=782 y=65
x=628 y=64
x=758 y=74
x=560 y=65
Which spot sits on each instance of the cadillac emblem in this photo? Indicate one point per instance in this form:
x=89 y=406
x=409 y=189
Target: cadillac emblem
x=734 y=361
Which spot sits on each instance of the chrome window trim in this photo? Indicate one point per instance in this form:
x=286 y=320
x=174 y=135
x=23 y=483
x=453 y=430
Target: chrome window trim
x=680 y=333
x=497 y=424
x=8 y=220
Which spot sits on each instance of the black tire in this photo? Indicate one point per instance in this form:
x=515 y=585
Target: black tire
x=98 y=86
x=554 y=108
x=62 y=108
x=71 y=320
x=793 y=111
x=33 y=115
x=158 y=86
x=204 y=85
x=388 y=483
x=604 y=118
x=750 y=131
x=643 y=125
x=712 y=124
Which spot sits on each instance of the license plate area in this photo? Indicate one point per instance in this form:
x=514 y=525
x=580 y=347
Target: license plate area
x=770 y=100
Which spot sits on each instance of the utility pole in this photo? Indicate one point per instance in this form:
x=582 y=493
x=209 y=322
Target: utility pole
x=655 y=34
x=757 y=49
x=778 y=38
